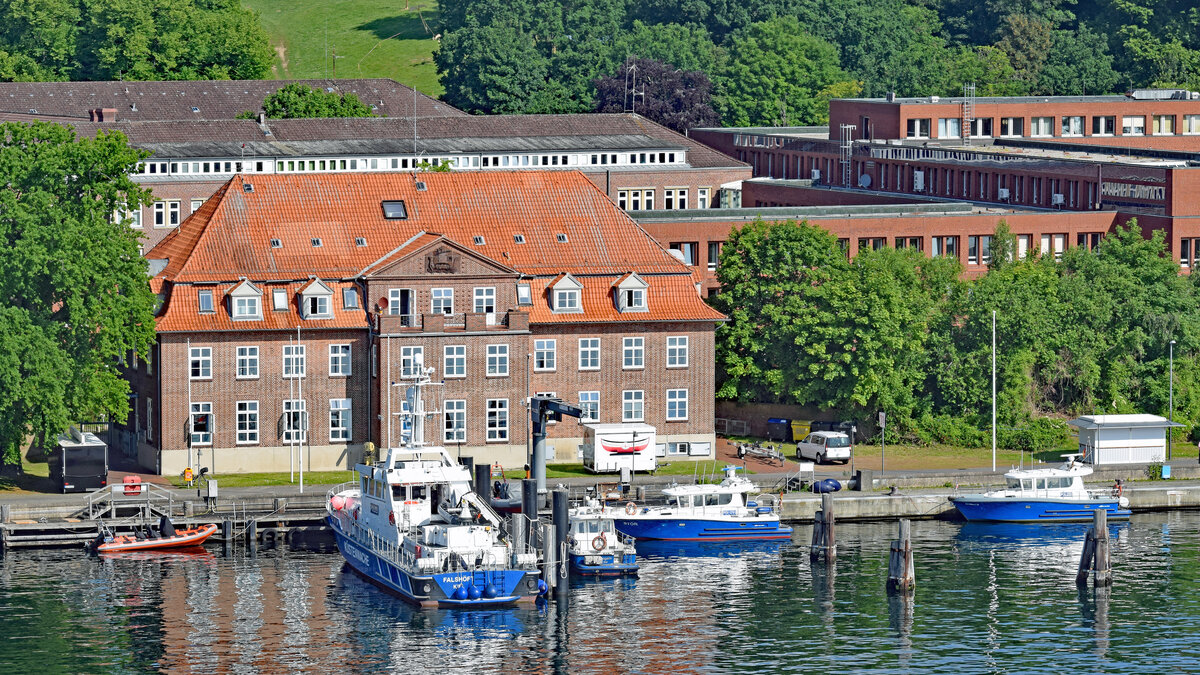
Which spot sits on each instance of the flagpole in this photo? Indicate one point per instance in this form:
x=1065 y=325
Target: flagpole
x=993 y=390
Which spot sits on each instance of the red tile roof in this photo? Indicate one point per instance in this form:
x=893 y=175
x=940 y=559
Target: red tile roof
x=181 y=313
x=668 y=298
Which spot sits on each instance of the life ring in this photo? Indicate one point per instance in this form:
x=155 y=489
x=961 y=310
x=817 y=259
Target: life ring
x=599 y=542
x=630 y=508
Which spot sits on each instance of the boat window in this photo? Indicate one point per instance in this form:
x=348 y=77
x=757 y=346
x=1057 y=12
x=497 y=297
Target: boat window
x=1026 y=483
x=710 y=500
x=697 y=500
x=724 y=499
x=606 y=526
x=398 y=492
x=1058 y=483
x=363 y=488
x=1013 y=483
x=580 y=528
x=1041 y=483
x=417 y=492
x=593 y=527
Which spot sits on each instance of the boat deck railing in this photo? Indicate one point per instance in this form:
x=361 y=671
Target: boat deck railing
x=443 y=560
x=122 y=500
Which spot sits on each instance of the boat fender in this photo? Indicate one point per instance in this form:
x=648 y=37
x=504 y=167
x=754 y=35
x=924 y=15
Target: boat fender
x=599 y=542
x=392 y=517
x=630 y=508
x=356 y=513
x=542 y=587
x=490 y=591
x=460 y=593
x=474 y=592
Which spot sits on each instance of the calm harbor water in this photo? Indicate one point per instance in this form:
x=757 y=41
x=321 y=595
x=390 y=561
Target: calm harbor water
x=989 y=599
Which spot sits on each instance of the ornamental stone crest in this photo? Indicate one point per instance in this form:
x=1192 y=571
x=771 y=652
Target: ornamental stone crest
x=442 y=261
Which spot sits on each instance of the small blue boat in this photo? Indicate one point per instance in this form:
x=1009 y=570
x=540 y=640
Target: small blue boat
x=595 y=547
x=1055 y=495
x=705 y=513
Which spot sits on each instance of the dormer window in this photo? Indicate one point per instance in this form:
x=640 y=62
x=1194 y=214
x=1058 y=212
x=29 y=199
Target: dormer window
x=245 y=302
x=206 y=302
x=316 y=300
x=630 y=292
x=566 y=295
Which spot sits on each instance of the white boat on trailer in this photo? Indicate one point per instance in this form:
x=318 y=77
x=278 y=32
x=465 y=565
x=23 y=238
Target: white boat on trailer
x=413 y=525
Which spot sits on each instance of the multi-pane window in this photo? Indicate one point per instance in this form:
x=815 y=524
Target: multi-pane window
x=317 y=306
x=246 y=307
x=247 y=363
x=633 y=353
x=205 y=300
x=1105 y=125
x=485 y=300
x=1164 y=125
x=339 y=360
x=949 y=127
x=1041 y=126
x=295 y=421
x=454 y=361
x=979 y=250
x=1012 y=126
x=497 y=360
x=412 y=359
x=981 y=127
x=675 y=198
x=702 y=198
x=1189 y=252
x=566 y=300
x=497 y=419
x=918 y=128
x=294 y=361
x=1054 y=244
x=677 y=404
x=714 y=254
x=589 y=401
x=201 y=423
x=589 y=353
x=687 y=250
x=544 y=354
x=1133 y=125
x=1191 y=124
x=454 y=426
x=200 y=363
x=339 y=419
x=677 y=351
x=247 y=422
x=442 y=301
x=1072 y=125
x=633 y=407
x=947 y=246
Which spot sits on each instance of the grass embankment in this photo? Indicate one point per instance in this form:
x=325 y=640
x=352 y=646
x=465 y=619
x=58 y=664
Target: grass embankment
x=265 y=479
x=352 y=38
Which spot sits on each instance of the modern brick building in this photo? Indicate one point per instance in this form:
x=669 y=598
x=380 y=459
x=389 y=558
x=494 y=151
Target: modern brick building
x=196 y=144
x=1125 y=156
x=313 y=296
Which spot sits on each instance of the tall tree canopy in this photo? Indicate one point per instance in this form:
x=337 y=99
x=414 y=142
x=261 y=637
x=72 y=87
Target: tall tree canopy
x=74 y=298
x=131 y=39
x=300 y=100
x=677 y=99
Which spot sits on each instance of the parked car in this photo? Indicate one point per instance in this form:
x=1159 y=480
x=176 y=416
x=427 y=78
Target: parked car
x=825 y=446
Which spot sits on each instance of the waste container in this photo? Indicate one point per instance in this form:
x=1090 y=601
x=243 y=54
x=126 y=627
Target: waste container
x=779 y=429
x=800 y=429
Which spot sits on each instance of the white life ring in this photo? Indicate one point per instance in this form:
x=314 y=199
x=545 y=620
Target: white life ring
x=630 y=508
x=599 y=542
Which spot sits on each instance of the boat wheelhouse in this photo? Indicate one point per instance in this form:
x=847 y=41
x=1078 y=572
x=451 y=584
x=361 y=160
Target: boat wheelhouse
x=595 y=546
x=1043 y=495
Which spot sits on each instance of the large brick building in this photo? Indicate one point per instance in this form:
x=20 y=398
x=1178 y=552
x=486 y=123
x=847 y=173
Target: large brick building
x=313 y=296
x=196 y=144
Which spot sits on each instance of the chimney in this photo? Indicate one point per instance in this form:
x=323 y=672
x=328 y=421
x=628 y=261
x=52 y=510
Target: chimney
x=891 y=97
x=106 y=115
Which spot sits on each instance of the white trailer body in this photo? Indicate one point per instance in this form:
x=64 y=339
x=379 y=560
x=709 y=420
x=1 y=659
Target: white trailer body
x=608 y=448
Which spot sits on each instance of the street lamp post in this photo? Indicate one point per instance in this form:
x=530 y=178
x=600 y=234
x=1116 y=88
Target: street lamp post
x=1170 y=397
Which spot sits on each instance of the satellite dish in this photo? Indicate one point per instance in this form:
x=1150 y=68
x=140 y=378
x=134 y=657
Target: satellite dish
x=864 y=181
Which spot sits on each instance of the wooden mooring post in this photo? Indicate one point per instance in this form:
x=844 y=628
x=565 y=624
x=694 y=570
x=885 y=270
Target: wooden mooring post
x=1095 y=556
x=824 y=545
x=901 y=576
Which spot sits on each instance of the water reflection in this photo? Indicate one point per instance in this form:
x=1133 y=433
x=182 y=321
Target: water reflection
x=988 y=600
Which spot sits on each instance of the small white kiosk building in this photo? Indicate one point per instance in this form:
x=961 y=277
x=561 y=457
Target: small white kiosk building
x=1122 y=439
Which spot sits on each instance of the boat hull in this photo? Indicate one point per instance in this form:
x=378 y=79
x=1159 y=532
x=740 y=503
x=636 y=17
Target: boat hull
x=606 y=565
x=981 y=508
x=184 y=539
x=437 y=589
x=703 y=529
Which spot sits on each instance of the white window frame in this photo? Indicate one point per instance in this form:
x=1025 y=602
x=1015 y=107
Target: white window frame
x=633 y=353
x=702 y=198
x=1129 y=126
x=589 y=346
x=677 y=351
x=247 y=422
x=295 y=361
x=441 y=301
x=340 y=364
x=454 y=421
x=633 y=405
x=545 y=356
x=589 y=401
x=341 y=420
x=497 y=420
x=318 y=306
x=412 y=360
x=247 y=307
x=205 y=304
x=204 y=437
x=454 y=362
x=567 y=300
x=1041 y=127
x=1068 y=121
x=246 y=363
x=1191 y=125
x=279 y=300
x=497 y=360
x=944 y=124
x=485 y=300
x=202 y=357
x=677 y=405
x=295 y=410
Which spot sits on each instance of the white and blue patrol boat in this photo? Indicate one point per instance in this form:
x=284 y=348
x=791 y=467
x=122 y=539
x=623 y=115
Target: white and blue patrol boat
x=1049 y=495
x=720 y=512
x=594 y=545
x=413 y=525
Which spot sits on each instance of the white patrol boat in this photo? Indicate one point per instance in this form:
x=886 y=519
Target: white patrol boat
x=1049 y=495
x=595 y=546
x=413 y=525
x=705 y=513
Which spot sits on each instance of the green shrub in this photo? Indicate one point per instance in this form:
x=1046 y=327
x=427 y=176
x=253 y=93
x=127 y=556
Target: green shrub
x=1043 y=433
x=1154 y=471
x=949 y=430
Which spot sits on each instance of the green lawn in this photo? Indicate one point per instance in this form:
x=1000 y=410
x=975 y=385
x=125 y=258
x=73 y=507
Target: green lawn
x=370 y=39
x=256 y=479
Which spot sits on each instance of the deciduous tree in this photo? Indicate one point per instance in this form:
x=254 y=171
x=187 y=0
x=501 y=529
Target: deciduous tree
x=674 y=98
x=300 y=100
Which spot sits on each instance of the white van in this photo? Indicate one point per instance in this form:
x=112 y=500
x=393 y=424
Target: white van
x=825 y=446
